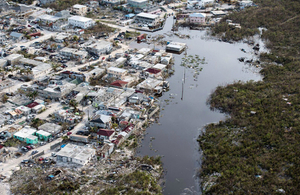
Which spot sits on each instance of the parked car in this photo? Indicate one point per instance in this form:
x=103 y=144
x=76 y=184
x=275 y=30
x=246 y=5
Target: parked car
x=69 y=133
x=34 y=152
x=41 y=159
x=28 y=147
x=25 y=161
x=24 y=149
x=53 y=154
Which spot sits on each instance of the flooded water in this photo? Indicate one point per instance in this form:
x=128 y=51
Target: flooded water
x=182 y=119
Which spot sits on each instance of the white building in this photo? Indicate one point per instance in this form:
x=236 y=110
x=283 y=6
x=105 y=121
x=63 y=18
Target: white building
x=246 y=3
x=79 y=9
x=81 y=22
x=146 y=18
x=93 y=73
x=48 y=18
x=73 y=53
x=58 y=91
x=100 y=47
x=80 y=155
x=116 y=72
x=204 y=3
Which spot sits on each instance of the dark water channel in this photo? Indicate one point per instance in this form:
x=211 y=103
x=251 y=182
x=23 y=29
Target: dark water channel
x=182 y=120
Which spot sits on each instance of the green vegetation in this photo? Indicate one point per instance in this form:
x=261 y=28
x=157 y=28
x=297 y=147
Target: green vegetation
x=256 y=150
x=12 y=142
x=64 y=4
x=136 y=180
x=99 y=27
x=26 y=54
x=36 y=122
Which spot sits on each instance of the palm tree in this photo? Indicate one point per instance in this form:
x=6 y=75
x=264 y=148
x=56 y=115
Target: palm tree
x=74 y=104
x=54 y=67
x=34 y=94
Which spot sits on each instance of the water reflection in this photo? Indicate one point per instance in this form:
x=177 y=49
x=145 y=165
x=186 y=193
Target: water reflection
x=181 y=120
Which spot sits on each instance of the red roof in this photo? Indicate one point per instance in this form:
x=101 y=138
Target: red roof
x=153 y=70
x=67 y=72
x=128 y=128
x=35 y=34
x=124 y=122
x=33 y=104
x=115 y=141
x=119 y=83
x=105 y=132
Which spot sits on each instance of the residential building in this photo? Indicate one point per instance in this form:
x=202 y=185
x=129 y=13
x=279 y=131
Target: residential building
x=100 y=121
x=72 y=153
x=146 y=18
x=61 y=37
x=116 y=72
x=205 y=3
x=13 y=59
x=43 y=135
x=141 y=4
x=79 y=138
x=119 y=84
x=149 y=84
x=3 y=62
x=153 y=72
x=161 y=67
x=57 y=91
x=63 y=14
x=112 y=2
x=38 y=109
x=51 y=128
x=47 y=19
x=197 y=18
x=66 y=116
x=16 y=36
x=27 y=135
x=93 y=73
x=43 y=2
x=245 y=3
x=175 y=46
x=24 y=110
x=79 y=9
x=137 y=98
x=100 y=47
x=39 y=68
x=81 y=22
x=106 y=134
x=73 y=53
x=93 y=4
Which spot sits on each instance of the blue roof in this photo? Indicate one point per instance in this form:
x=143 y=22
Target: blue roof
x=197 y=15
x=129 y=15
